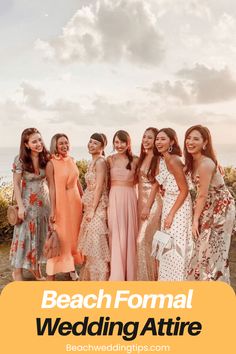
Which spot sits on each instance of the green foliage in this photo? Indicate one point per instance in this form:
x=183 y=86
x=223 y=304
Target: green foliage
x=230 y=180
x=83 y=167
x=5 y=200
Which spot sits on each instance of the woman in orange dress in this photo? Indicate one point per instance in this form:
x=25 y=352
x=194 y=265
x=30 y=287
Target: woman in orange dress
x=66 y=207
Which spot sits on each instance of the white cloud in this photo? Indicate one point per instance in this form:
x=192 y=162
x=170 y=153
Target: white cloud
x=33 y=97
x=198 y=85
x=108 y=31
x=210 y=85
x=11 y=111
x=225 y=28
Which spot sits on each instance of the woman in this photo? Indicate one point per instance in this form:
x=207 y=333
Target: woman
x=66 y=207
x=93 y=241
x=214 y=209
x=122 y=210
x=177 y=209
x=149 y=205
x=31 y=194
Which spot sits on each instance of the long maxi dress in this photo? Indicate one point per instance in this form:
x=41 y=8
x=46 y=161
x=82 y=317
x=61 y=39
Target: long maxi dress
x=174 y=262
x=28 y=238
x=93 y=240
x=210 y=258
x=122 y=223
x=68 y=215
x=146 y=267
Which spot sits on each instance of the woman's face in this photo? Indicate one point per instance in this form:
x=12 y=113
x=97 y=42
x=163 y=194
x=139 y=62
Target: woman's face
x=163 y=142
x=120 y=146
x=148 y=140
x=94 y=146
x=35 y=143
x=195 y=142
x=63 y=146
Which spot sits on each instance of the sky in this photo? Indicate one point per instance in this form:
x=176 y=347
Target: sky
x=101 y=65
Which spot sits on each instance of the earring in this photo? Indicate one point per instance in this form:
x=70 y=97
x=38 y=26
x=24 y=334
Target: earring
x=170 y=148
x=204 y=147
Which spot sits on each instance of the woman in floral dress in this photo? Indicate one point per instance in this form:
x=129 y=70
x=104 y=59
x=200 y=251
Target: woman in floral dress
x=214 y=209
x=31 y=194
x=93 y=240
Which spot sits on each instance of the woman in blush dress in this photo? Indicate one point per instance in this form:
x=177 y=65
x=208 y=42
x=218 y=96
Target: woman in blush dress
x=93 y=240
x=214 y=209
x=149 y=205
x=176 y=217
x=66 y=207
x=31 y=194
x=122 y=210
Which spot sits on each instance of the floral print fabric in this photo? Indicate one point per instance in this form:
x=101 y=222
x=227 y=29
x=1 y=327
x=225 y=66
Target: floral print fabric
x=29 y=236
x=210 y=257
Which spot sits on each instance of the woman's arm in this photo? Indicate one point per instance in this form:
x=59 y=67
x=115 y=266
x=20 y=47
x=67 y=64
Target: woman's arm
x=52 y=190
x=80 y=187
x=101 y=170
x=17 y=177
x=146 y=209
x=205 y=171
x=175 y=167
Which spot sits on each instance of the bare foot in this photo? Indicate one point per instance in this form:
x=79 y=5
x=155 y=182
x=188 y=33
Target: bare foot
x=17 y=275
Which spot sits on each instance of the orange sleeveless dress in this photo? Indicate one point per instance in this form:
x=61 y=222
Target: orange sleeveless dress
x=68 y=215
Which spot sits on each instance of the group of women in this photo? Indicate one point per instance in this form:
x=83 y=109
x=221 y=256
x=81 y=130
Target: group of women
x=109 y=227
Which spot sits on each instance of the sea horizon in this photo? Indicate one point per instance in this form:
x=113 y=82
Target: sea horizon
x=225 y=153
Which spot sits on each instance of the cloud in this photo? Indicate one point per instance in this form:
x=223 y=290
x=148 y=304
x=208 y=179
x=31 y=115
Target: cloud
x=225 y=27
x=208 y=84
x=11 y=111
x=108 y=31
x=198 y=85
x=100 y=112
x=33 y=97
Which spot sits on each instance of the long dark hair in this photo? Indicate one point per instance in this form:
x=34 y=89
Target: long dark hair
x=101 y=138
x=153 y=165
x=209 y=151
x=25 y=153
x=176 y=150
x=125 y=137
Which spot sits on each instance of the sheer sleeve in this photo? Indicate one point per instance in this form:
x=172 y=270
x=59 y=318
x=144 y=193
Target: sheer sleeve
x=17 y=166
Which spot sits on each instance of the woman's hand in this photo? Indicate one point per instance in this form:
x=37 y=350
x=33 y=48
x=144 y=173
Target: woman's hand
x=168 y=221
x=145 y=213
x=90 y=215
x=21 y=213
x=195 y=229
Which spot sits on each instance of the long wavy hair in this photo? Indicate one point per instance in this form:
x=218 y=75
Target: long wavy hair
x=54 y=140
x=125 y=137
x=209 y=151
x=101 y=138
x=25 y=152
x=153 y=165
x=176 y=150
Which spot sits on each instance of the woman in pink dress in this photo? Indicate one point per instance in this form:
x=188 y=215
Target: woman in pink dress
x=66 y=207
x=122 y=210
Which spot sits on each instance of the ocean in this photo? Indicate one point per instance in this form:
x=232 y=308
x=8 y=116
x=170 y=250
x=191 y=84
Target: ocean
x=226 y=156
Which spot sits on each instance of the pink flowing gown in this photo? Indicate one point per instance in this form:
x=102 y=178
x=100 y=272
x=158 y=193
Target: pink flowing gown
x=122 y=224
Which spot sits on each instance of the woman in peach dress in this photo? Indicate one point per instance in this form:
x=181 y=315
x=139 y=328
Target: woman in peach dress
x=66 y=207
x=122 y=209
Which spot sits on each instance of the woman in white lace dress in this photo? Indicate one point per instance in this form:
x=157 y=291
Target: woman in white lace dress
x=176 y=217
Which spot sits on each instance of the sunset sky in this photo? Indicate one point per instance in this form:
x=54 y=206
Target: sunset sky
x=84 y=66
